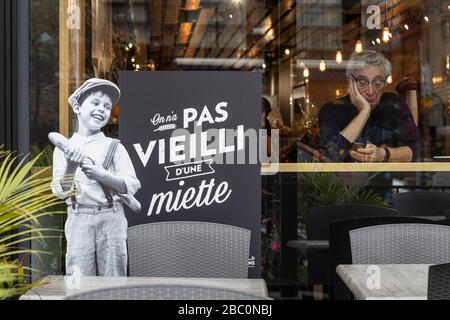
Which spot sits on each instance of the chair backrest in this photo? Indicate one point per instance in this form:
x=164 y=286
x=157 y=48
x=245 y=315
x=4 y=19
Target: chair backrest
x=188 y=249
x=340 y=248
x=439 y=282
x=165 y=292
x=318 y=219
x=317 y=228
x=401 y=244
x=421 y=203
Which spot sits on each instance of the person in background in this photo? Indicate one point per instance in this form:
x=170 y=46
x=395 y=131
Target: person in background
x=409 y=89
x=270 y=122
x=369 y=125
x=265 y=122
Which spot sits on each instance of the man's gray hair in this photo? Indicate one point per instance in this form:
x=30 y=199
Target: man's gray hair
x=368 y=58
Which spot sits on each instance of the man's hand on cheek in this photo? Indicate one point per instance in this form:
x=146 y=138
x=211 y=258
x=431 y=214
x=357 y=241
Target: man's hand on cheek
x=94 y=172
x=371 y=153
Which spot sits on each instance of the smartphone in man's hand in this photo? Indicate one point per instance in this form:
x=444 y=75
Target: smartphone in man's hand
x=358 y=145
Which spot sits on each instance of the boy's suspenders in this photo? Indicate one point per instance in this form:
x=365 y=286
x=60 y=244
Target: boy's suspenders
x=108 y=160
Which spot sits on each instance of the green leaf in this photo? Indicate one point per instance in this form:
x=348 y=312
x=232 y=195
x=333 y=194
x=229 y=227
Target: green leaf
x=25 y=198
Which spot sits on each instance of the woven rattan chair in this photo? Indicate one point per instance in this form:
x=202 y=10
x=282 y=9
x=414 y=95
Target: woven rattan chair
x=165 y=292
x=439 y=282
x=401 y=244
x=318 y=220
x=188 y=249
x=340 y=248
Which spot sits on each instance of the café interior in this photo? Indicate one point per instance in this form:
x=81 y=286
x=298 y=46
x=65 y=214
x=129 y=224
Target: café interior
x=301 y=48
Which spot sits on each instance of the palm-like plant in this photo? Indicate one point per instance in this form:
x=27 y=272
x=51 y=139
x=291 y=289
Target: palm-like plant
x=24 y=198
x=326 y=188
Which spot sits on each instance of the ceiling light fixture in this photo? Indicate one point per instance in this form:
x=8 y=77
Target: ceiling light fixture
x=322 y=66
x=386 y=24
x=306 y=72
x=339 y=56
x=386 y=33
x=358 y=47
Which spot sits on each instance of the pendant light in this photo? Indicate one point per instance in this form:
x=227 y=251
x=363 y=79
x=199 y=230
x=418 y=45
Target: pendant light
x=386 y=32
x=306 y=72
x=358 y=47
x=322 y=65
x=338 y=56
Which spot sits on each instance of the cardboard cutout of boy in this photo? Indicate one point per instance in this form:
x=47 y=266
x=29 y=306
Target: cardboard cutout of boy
x=95 y=175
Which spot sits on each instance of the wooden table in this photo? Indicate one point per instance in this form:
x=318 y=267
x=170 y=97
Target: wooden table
x=397 y=281
x=57 y=287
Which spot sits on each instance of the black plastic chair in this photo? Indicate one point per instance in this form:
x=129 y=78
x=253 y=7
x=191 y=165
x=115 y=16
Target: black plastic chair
x=439 y=282
x=422 y=203
x=340 y=247
x=315 y=248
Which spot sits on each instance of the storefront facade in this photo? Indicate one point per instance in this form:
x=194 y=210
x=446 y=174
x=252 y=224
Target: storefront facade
x=51 y=47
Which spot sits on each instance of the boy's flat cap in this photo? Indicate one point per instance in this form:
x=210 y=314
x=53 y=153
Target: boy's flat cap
x=95 y=84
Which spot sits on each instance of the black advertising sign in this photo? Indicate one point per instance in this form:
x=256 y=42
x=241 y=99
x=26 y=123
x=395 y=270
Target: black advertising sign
x=191 y=138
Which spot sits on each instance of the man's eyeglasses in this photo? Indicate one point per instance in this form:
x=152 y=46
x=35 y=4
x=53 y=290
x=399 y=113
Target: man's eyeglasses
x=362 y=83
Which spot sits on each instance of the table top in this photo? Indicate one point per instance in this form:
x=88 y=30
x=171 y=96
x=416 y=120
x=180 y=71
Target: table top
x=57 y=287
x=396 y=281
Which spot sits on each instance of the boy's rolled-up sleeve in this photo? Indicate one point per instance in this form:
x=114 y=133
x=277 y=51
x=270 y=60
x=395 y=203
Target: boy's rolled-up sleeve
x=124 y=168
x=59 y=169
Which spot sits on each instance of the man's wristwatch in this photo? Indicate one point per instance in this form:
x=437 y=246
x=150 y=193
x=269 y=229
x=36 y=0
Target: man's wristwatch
x=387 y=154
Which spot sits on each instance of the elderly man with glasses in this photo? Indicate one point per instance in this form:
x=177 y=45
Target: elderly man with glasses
x=369 y=125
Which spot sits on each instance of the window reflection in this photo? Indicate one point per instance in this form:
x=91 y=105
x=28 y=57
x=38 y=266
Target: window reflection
x=302 y=48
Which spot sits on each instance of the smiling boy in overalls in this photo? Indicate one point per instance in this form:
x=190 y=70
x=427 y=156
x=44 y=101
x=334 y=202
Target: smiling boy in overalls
x=96 y=227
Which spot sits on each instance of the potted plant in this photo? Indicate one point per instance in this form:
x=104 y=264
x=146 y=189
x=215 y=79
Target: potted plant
x=328 y=188
x=25 y=198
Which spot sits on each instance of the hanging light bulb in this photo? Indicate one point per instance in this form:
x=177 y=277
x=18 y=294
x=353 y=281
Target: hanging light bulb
x=338 y=56
x=406 y=27
x=322 y=65
x=359 y=47
x=389 y=80
x=386 y=33
x=306 y=72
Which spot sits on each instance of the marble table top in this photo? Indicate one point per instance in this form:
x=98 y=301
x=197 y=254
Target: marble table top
x=386 y=282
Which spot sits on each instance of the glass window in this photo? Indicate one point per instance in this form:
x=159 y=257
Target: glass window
x=304 y=50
